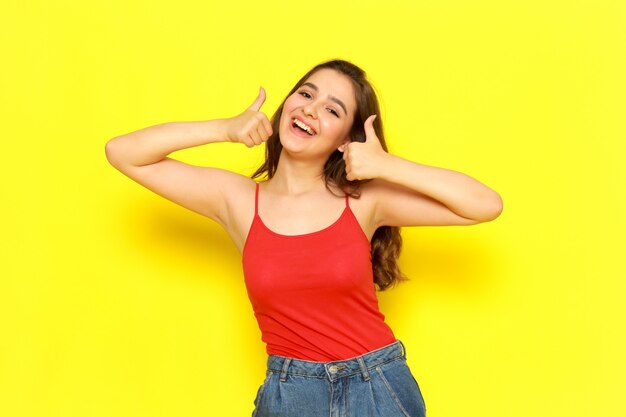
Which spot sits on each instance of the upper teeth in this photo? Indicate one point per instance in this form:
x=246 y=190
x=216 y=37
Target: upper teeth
x=303 y=126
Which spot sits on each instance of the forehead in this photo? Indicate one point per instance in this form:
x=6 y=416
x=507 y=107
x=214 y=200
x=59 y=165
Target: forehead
x=334 y=83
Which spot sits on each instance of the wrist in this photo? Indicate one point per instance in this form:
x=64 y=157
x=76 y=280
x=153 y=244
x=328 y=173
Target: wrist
x=386 y=165
x=217 y=130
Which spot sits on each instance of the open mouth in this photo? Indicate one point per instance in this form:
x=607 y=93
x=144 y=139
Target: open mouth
x=300 y=125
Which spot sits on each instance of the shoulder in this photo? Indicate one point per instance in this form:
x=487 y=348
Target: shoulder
x=371 y=193
x=233 y=185
x=234 y=192
x=237 y=218
x=238 y=190
x=384 y=201
x=363 y=206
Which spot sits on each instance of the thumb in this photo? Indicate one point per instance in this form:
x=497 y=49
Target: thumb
x=369 y=127
x=258 y=102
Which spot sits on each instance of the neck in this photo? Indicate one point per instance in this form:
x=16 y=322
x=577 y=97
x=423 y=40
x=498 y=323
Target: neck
x=294 y=177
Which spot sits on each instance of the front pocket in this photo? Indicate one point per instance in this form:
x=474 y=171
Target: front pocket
x=392 y=392
x=402 y=387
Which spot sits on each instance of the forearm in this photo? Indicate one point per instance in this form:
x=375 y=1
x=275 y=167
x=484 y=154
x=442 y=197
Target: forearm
x=459 y=192
x=152 y=144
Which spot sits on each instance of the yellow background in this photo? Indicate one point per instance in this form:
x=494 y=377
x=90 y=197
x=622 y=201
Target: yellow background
x=116 y=302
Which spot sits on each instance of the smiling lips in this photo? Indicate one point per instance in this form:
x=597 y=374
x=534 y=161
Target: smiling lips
x=303 y=126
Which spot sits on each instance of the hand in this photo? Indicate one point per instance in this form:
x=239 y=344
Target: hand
x=364 y=160
x=251 y=127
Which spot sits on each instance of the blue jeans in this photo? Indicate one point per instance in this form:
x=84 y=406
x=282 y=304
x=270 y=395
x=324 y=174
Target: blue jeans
x=376 y=384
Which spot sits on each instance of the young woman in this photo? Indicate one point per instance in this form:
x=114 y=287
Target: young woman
x=317 y=236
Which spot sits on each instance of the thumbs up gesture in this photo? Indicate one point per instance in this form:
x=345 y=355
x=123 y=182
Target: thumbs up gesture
x=364 y=160
x=252 y=127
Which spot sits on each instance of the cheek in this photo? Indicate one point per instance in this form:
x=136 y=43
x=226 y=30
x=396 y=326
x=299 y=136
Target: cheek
x=290 y=103
x=336 y=127
x=329 y=127
x=288 y=107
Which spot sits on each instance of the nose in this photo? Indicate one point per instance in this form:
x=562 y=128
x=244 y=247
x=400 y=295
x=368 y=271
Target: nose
x=309 y=110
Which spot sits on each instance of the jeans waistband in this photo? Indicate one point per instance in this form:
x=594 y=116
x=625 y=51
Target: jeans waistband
x=339 y=368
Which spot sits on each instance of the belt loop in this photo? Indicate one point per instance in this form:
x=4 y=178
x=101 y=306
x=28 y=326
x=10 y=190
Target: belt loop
x=283 y=373
x=403 y=348
x=366 y=375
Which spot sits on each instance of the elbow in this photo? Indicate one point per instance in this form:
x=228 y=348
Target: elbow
x=489 y=210
x=112 y=153
x=495 y=208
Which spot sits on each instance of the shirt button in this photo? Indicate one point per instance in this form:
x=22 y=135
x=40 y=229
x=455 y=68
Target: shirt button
x=332 y=369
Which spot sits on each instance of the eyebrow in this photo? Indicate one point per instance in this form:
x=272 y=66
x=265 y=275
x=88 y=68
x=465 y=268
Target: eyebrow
x=333 y=98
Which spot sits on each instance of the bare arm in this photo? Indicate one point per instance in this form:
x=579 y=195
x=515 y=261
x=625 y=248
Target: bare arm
x=142 y=156
x=412 y=194
x=458 y=192
x=152 y=144
x=407 y=193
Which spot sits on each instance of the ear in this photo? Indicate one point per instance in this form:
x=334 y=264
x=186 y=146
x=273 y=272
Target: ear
x=342 y=147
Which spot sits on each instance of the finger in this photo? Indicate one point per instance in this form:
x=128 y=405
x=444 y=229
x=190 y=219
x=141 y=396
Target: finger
x=254 y=135
x=258 y=102
x=262 y=133
x=248 y=142
x=253 y=131
x=369 y=127
x=267 y=125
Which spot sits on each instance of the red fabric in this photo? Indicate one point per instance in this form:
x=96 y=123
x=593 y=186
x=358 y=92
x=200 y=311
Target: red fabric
x=313 y=294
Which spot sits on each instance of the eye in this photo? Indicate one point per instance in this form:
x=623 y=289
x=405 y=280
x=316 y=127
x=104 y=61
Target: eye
x=333 y=111
x=305 y=94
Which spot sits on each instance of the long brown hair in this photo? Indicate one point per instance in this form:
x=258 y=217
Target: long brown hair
x=386 y=241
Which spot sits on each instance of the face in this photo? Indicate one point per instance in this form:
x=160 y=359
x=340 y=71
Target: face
x=318 y=116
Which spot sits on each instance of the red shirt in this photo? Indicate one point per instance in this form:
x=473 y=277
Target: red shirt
x=313 y=294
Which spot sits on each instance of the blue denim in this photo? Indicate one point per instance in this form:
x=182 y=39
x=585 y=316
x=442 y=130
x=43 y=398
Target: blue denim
x=376 y=384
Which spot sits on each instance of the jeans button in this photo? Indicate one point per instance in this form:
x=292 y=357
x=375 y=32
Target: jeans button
x=332 y=369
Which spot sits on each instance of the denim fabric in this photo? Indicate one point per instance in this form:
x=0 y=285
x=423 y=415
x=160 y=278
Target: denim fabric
x=376 y=384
